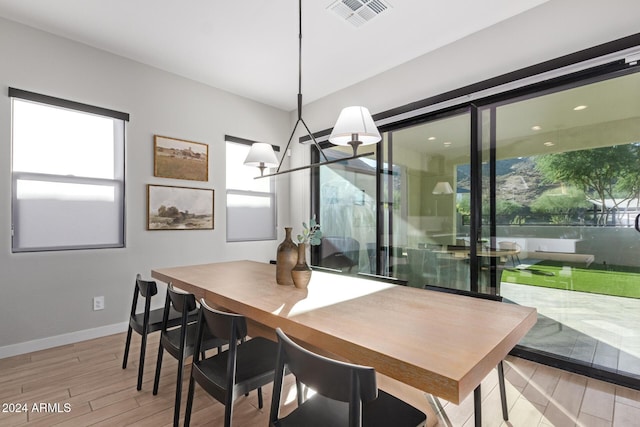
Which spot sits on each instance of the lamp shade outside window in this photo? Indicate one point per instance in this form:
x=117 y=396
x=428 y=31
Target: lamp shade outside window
x=442 y=187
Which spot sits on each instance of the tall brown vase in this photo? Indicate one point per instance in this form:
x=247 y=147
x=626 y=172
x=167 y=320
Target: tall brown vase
x=286 y=259
x=301 y=273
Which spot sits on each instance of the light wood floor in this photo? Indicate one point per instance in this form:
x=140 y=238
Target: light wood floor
x=88 y=378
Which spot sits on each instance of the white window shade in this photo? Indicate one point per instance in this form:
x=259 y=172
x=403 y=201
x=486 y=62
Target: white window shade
x=68 y=175
x=251 y=203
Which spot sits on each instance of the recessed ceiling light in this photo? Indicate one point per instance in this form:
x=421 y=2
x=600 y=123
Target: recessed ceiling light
x=549 y=144
x=432 y=138
x=536 y=127
x=447 y=144
x=579 y=107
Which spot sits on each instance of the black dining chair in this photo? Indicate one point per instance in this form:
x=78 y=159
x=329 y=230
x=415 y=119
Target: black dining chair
x=341 y=253
x=477 y=398
x=514 y=251
x=180 y=342
x=245 y=366
x=346 y=394
x=147 y=321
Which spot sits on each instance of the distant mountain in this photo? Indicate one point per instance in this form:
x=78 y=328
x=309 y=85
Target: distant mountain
x=516 y=179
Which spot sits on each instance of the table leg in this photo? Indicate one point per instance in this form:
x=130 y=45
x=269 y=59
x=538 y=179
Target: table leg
x=477 y=406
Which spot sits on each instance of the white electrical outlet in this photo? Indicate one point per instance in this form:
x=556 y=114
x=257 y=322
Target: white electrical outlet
x=98 y=303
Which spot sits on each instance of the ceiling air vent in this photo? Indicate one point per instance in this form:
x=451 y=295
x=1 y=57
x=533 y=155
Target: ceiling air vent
x=358 y=12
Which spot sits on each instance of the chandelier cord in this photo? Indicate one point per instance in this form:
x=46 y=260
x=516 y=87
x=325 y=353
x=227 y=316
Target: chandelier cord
x=300 y=119
x=299 y=59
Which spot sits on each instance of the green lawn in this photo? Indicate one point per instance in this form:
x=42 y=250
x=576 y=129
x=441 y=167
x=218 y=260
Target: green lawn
x=598 y=279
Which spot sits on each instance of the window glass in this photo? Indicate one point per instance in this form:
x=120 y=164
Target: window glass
x=64 y=142
x=68 y=178
x=348 y=212
x=241 y=177
x=251 y=203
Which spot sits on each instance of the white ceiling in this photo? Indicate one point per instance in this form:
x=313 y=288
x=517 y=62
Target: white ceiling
x=250 y=47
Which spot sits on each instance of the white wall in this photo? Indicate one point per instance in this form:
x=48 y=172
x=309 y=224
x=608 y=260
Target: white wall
x=551 y=30
x=50 y=294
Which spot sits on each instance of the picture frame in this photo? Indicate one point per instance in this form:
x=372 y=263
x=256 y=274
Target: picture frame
x=180 y=159
x=179 y=208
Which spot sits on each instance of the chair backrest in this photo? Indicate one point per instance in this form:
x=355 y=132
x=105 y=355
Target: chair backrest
x=333 y=379
x=462 y=242
x=339 y=252
x=506 y=245
x=183 y=302
x=146 y=288
x=228 y=326
x=463 y=292
x=346 y=245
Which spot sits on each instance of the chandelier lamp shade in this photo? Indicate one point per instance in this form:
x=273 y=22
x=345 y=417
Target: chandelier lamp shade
x=262 y=156
x=356 y=128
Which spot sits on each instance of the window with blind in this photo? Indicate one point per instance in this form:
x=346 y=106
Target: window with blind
x=251 y=203
x=67 y=174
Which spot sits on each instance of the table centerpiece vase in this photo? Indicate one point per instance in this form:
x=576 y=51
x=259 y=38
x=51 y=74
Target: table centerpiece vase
x=286 y=259
x=301 y=273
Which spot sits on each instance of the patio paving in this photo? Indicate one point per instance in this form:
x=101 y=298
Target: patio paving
x=600 y=330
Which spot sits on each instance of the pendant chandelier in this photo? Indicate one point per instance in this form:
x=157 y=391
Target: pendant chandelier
x=354 y=127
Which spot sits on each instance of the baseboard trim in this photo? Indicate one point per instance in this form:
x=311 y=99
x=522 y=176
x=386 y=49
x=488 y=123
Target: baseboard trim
x=63 y=339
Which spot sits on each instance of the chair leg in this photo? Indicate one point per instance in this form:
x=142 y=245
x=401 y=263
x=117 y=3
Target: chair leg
x=176 y=406
x=259 y=397
x=503 y=392
x=126 y=348
x=156 y=380
x=187 y=411
x=143 y=349
x=477 y=406
x=228 y=412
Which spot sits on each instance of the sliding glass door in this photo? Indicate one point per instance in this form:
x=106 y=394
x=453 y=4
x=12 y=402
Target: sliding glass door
x=425 y=184
x=347 y=212
x=561 y=185
x=531 y=194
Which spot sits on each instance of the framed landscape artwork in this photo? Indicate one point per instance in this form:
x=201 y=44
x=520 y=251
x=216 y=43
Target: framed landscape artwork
x=180 y=159
x=179 y=208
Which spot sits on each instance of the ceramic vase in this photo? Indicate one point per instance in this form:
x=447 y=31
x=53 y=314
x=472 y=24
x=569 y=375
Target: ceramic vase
x=301 y=273
x=286 y=259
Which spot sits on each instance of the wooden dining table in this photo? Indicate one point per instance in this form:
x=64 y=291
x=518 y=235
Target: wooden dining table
x=439 y=343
